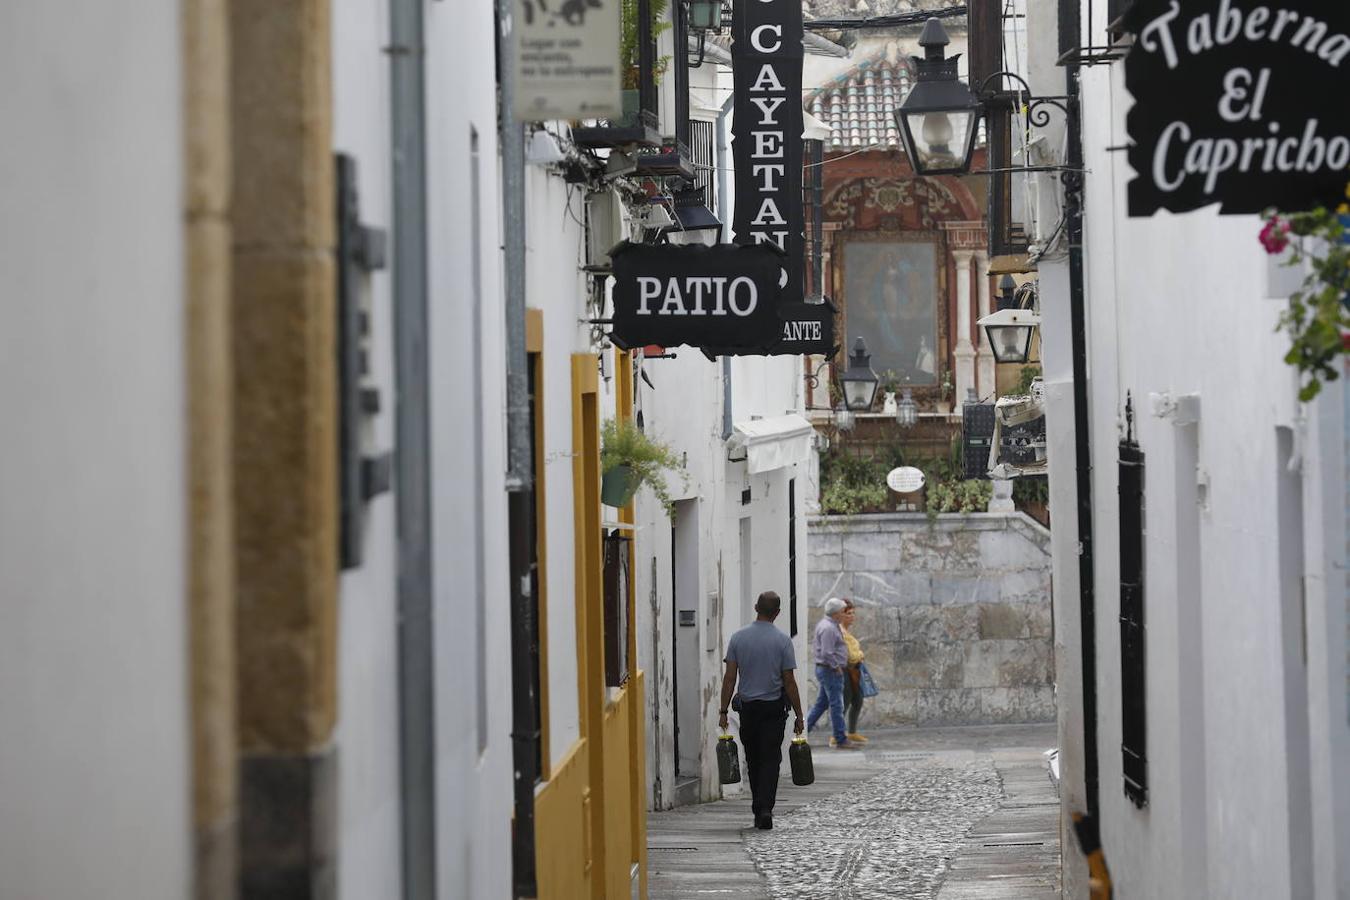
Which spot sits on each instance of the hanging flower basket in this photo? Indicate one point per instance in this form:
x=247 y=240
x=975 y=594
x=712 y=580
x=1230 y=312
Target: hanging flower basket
x=619 y=485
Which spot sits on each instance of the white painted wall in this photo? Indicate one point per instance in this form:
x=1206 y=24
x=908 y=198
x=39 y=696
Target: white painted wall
x=94 y=763
x=1229 y=743
x=369 y=798
x=469 y=561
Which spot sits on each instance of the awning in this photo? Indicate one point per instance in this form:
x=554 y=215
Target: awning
x=772 y=443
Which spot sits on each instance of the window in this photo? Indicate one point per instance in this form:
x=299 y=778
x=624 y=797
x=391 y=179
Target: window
x=1133 y=677
x=616 y=580
x=703 y=153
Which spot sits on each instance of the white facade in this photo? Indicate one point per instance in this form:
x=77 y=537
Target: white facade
x=1248 y=742
x=94 y=764
x=469 y=559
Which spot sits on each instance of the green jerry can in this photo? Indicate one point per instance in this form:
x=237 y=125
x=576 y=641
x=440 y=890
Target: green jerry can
x=728 y=760
x=799 y=755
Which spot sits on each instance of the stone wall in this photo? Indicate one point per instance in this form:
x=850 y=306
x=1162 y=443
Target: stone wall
x=953 y=615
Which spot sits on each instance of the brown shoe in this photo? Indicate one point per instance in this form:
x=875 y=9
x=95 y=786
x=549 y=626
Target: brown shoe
x=856 y=738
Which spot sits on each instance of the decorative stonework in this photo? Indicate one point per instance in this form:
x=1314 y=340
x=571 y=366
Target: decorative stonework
x=954 y=616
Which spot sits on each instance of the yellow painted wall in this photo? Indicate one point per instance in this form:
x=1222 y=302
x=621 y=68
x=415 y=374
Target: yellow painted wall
x=562 y=851
x=590 y=814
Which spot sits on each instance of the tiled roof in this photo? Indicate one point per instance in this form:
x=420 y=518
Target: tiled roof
x=832 y=9
x=858 y=105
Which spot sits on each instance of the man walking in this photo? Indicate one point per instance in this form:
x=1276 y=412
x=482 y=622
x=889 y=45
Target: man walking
x=831 y=653
x=761 y=657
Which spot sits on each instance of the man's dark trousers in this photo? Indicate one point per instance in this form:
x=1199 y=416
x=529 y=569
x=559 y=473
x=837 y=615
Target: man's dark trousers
x=762 y=725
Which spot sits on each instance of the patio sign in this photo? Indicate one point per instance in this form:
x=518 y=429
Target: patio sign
x=567 y=59
x=766 y=133
x=1238 y=102
x=724 y=296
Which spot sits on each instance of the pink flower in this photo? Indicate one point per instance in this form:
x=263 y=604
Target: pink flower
x=1275 y=235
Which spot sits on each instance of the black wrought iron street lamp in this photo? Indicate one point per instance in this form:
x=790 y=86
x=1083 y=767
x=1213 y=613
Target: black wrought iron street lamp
x=1010 y=332
x=1007 y=293
x=859 y=381
x=938 y=119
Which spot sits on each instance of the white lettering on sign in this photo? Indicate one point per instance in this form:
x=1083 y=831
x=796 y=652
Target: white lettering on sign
x=1212 y=157
x=1204 y=33
x=802 y=331
x=757 y=42
x=737 y=296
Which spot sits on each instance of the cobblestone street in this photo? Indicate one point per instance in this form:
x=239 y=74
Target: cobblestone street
x=922 y=814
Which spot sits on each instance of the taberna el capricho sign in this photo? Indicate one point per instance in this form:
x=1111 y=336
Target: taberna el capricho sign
x=766 y=133
x=725 y=296
x=1238 y=102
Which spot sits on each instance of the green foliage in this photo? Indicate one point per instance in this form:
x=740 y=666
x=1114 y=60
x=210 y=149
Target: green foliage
x=1029 y=374
x=628 y=40
x=1028 y=489
x=852 y=484
x=1318 y=316
x=624 y=444
x=967 y=496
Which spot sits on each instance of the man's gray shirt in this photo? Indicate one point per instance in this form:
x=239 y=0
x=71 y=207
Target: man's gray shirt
x=828 y=644
x=762 y=654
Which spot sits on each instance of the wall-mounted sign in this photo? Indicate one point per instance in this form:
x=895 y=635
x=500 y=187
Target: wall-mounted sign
x=806 y=329
x=1238 y=102
x=766 y=133
x=567 y=59
x=724 y=296
x=905 y=479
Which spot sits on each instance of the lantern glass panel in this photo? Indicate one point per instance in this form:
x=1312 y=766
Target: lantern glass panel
x=939 y=140
x=1010 y=343
x=859 y=393
x=705 y=15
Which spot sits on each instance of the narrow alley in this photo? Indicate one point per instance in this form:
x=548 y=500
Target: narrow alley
x=960 y=813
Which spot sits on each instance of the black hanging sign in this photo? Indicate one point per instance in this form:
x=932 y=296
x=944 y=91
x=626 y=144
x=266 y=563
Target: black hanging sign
x=725 y=296
x=766 y=134
x=804 y=329
x=1238 y=102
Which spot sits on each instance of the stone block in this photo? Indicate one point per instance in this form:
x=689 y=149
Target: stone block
x=960 y=623
x=957 y=589
x=948 y=707
x=1008 y=550
x=821 y=586
x=875 y=626
x=1024 y=663
x=999 y=705
x=872 y=551
x=1038 y=703
x=889 y=708
x=1040 y=620
x=984 y=661
x=921 y=623
x=1002 y=620
x=1026 y=586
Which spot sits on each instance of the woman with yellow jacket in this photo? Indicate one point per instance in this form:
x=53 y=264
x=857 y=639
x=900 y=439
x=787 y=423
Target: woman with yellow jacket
x=853 y=696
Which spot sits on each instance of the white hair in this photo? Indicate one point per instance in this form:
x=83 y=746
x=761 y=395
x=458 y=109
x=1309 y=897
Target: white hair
x=834 y=605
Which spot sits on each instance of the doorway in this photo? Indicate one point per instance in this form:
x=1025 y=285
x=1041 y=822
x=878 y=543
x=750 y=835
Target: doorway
x=684 y=681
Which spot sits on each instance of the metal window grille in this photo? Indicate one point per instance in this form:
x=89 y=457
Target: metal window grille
x=1090 y=33
x=1133 y=675
x=703 y=152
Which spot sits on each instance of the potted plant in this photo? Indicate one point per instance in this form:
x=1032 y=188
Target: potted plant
x=630 y=459
x=630 y=53
x=944 y=401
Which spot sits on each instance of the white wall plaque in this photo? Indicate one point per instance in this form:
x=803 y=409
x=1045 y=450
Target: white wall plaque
x=567 y=59
x=904 y=480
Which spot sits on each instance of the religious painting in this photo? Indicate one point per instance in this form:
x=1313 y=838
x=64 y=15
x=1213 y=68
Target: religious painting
x=891 y=296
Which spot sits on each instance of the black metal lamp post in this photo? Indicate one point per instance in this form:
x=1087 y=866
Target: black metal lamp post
x=859 y=381
x=938 y=119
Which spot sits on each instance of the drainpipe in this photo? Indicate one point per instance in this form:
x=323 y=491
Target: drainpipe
x=417 y=725
x=519 y=473
x=722 y=188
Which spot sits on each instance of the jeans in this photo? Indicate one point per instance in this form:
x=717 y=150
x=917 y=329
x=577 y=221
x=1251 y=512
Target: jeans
x=831 y=696
x=762 y=725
